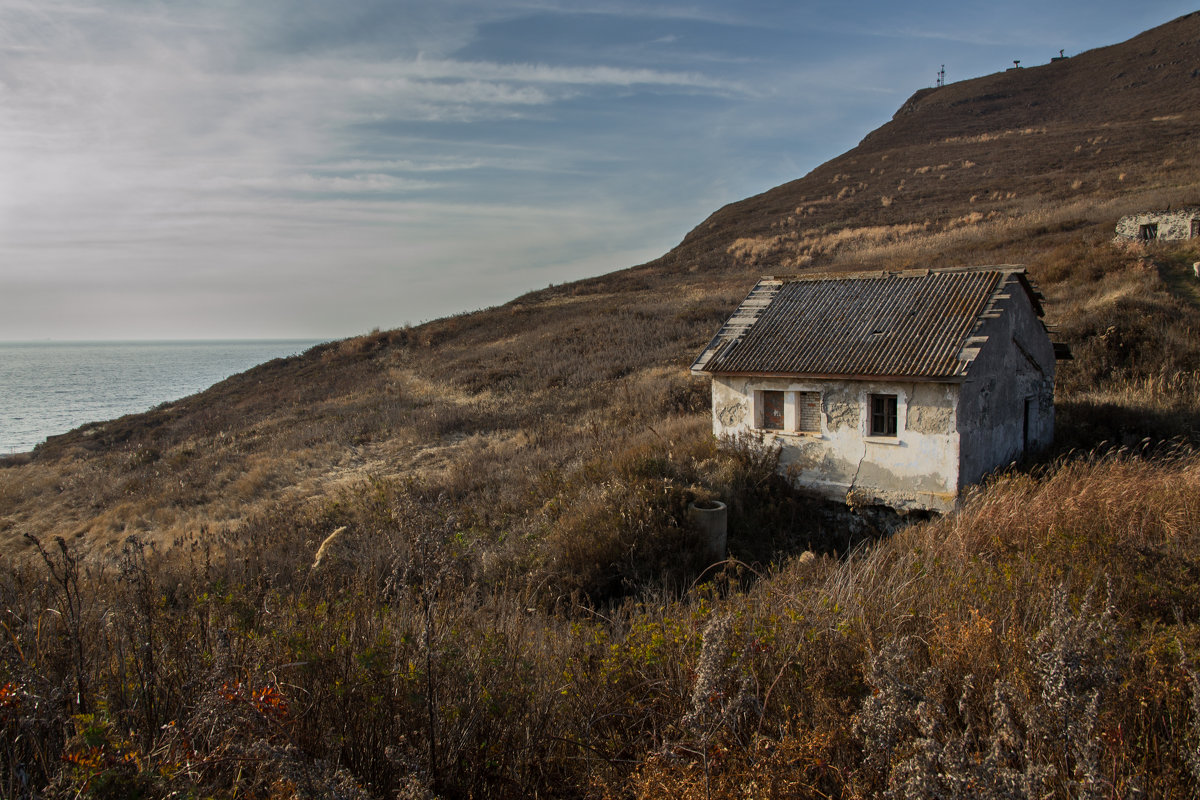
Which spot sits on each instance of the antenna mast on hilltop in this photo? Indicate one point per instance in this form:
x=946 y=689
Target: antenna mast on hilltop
x=941 y=77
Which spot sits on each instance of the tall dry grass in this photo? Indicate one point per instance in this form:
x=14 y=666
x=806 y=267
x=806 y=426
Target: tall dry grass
x=1065 y=596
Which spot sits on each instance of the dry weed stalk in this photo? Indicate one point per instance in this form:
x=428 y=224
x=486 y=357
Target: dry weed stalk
x=920 y=746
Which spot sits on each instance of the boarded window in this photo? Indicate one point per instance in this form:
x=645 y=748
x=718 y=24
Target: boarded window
x=883 y=415
x=808 y=412
x=772 y=404
x=1148 y=233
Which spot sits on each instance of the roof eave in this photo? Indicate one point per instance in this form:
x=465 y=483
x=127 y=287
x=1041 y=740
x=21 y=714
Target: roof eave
x=837 y=376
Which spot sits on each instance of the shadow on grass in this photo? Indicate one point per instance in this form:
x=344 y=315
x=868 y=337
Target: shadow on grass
x=1083 y=424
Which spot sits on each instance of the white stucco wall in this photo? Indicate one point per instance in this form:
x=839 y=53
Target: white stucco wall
x=916 y=469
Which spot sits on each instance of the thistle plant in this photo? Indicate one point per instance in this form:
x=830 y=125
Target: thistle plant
x=1191 y=748
x=721 y=697
x=919 y=748
x=1074 y=659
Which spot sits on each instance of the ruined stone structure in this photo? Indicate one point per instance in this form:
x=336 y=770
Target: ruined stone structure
x=1161 y=225
x=888 y=388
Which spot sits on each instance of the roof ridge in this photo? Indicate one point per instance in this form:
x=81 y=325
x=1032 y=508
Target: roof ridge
x=913 y=272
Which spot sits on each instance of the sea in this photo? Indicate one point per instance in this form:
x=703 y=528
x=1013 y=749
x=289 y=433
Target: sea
x=48 y=388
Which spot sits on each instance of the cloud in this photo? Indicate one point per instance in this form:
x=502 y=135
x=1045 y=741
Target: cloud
x=97 y=135
x=301 y=167
x=408 y=165
x=203 y=170
x=307 y=183
x=576 y=76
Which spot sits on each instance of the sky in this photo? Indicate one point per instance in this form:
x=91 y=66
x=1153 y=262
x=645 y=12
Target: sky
x=197 y=169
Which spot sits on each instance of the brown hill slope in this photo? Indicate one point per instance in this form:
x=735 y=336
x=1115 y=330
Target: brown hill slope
x=1114 y=122
x=504 y=410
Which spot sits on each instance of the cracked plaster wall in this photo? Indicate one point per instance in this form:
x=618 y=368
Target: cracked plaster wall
x=917 y=469
x=1016 y=364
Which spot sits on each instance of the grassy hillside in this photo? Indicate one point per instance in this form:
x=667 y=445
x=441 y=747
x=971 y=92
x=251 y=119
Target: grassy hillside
x=513 y=606
x=1114 y=125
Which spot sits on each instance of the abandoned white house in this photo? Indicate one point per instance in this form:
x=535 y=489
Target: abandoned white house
x=1161 y=225
x=888 y=388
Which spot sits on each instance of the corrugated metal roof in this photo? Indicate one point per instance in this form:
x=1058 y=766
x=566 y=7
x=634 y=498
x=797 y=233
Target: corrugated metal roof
x=914 y=323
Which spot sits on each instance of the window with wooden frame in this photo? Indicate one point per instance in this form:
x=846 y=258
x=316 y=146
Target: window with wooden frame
x=772 y=410
x=882 y=421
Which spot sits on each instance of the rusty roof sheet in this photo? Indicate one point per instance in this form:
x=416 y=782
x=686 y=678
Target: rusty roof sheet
x=912 y=323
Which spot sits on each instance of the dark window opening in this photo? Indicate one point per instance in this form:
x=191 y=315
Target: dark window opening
x=1148 y=232
x=772 y=411
x=1025 y=425
x=883 y=415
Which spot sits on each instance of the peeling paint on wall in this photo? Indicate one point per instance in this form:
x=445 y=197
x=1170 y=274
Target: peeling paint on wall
x=921 y=462
x=732 y=415
x=841 y=407
x=931 y=410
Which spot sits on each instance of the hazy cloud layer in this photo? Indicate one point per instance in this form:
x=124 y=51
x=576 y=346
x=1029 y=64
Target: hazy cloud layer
x=305 y=168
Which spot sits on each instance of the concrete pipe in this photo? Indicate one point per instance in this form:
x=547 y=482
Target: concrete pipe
x=711 y=518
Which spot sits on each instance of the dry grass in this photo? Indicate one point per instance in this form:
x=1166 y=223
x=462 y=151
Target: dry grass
x=992 y=136
x=441 y=672
x=524 y=614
